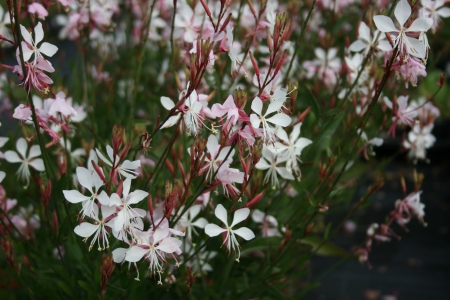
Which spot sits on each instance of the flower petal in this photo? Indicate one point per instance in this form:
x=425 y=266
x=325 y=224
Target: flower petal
x=103 y=199
x=420 y=24
x=75 y=196
x=135 y=253
x=240 y=215
x=85 y=229
x=21 y=146
x=85 y=178
x=212 y=144
x=200 y=223
x=244 y=233
x=169 y=245
x=384 y=24
x=274 y=106
x=257 y=105
x=280 y=119
x=255 y=120
x=37 y=164
x=38 y=33
x=221 y=214
x=137 y=196
x=167 y=103
x=402 y=12
x=357 y=46
x=119 y=255
x=12 y=157
x=213 y=230
x=48 y=49
x=26 y=35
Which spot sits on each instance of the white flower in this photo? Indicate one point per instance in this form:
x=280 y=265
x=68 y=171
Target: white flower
x=4 y=30
x=269 y=223
x=126 y=169
x=366 y=42
x=93 y=183
x=192 y=118
x=419 y=139
x=127 y=213
x=232 y=53
x=86 y=229
x=36 y=163
x=415 y=206
x=168 y=104
x=215 y=156
x=407 y=45
x=279 y=119
x=292 y=147
x=272 y=167
x=46 y=48
x=187 y=220
x=435 y=10
x=239 y=215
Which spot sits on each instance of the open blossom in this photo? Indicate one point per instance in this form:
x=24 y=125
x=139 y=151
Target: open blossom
x=187 y=220
x=326 y=66
x=228 y=176
x=403 y=114
x=419 y=139
x=26 y=161
x=269 y=225
x=38 y=10
x=97 y=229
x=215 y=156
x=407 y=44
x=229 y=109
x=126 y=168
x=258 y=118
x=408 y=207
x=92 y=183
x=435 y=10
x=230 y=239
x=271 y=161
x=29 y=46
x=366 y=42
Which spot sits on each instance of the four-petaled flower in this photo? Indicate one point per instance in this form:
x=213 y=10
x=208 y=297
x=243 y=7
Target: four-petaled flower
x=239 y=215
x=29 y=46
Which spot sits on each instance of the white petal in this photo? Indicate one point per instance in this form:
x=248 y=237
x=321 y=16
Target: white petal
x=85 y=178
x=213 y=230
x=245 y=233
x=135 y=253
x=115 y=200
x=257 y=105
x=274 y=106
x=103 y=198
x=357 y=46
x=119 y=255
x=169 y=245
x=48 y=49
x=37 y=164
x=300 y=144
x=74 y=196
x=110 y=152
x=27 y=52
x=285 y=173
x=444 y=12
x=200 y=223
x=85 y=229
x=137 y=196
x=221 y=214
x=167 y=103
x=384 y=24
x=262 y=165
x=212 y=144
x=420 y=24
x=26 y=35
x=119 y=221
x=280 y=119
x=131 y=165
x=38 y=33
x=126 y=187
x=102 y=157
x=2 y=176
x=35 y=151
x=402 y=12
x=364 y=31
x=21 y=146
x=160 y=234
x=240 y=215
x=258 y=216
x=12 y=157
x=255 y=120
x=194 y=211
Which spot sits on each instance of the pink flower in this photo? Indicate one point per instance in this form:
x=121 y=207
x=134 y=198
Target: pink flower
x=228 y=176
x=29 y=46
x=38 y=9
x=228 y=108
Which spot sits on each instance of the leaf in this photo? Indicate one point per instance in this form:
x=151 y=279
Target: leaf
x=65 y=288
x=86 y=286
x=327 y=231
x=327 y=248
x=305 y=94
x=261 y=244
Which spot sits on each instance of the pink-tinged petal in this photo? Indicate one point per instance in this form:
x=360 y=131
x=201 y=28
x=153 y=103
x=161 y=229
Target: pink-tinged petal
x=167 y=103
x=417 y=48
x=21 y=146
x=119 y=255
x=200 y=223
x=38 y=33
x=221 y=214
x=255 y=120
x=384 y=24
x=160 y=234
x=26 y=35
x=257 y=105
x=37 y=164
x=239 y=216
x=135 y=253
x=212 y=144
x=137 y=196
x=357 y=46
x=213 y=230
x=27 y=52
x=12 y=157
x=115 y=200
x=85 y=229
x=74 y=196
x=420 y=24
x=98 y=182
x=103 y=199
x=274 y=106
x=280 y=119
x=85 y=178
x=35 y=151
x=48 y=49
x=102 y=157
x=244 y=233
x=169 y=245
x=107 y=211
x=402 y=12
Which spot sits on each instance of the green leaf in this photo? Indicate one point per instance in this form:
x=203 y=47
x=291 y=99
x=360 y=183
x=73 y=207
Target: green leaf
x=305 y=94
x=86 y=286
x=323 y=247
